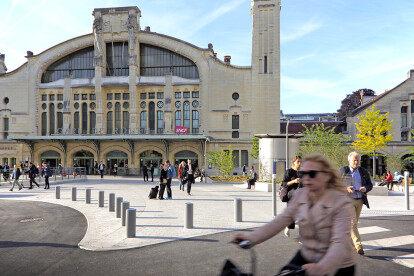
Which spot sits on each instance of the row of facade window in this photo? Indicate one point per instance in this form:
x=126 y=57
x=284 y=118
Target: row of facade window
x=118 y=119
x=117 y=96
x=13 y=161
x=240 y=162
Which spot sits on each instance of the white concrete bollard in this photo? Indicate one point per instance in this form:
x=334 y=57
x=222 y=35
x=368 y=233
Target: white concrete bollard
x=125 y=207
x=131 y=223
x=57 y=192
x=189 y=212
x=88 y=196
x=101 y=199
x=73 y=193
x=237 y=210
x=111 y=202
x=119 y=206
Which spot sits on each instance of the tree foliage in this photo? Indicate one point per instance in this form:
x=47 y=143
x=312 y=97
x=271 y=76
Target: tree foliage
x=410 y=148
x=222 y=160
x=353 y=100
x=373 y=133
x=324 y=140
x=395 y=163
x=255 y=148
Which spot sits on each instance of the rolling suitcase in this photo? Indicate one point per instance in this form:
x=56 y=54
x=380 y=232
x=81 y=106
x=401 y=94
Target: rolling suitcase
x=153 y=193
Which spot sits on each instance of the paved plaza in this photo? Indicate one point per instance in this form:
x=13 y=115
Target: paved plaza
x=161 y=222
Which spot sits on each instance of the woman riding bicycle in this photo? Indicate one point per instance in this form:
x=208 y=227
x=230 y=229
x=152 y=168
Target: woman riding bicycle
x=324 y=213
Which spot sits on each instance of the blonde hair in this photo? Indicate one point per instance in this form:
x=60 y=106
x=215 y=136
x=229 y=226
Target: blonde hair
x=182 y=164
x=335 y=182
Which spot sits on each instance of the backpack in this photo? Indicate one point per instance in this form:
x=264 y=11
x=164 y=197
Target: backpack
x=36 y=171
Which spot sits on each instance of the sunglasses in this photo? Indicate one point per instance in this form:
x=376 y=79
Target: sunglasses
x=311 y=173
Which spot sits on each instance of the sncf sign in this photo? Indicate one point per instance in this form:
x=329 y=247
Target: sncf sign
x=180 y=129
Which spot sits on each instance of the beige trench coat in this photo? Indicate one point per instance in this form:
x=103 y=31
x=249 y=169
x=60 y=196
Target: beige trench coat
x=324 y=229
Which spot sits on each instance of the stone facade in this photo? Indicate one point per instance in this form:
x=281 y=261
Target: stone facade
x=83 y=117
x=399 y=102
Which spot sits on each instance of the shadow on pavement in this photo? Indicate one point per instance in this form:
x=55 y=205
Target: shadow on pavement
x=9 y=244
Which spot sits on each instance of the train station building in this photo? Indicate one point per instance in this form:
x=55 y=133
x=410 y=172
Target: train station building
x=125 y=95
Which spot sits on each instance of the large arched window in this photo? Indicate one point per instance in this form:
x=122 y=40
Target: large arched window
x=160 y=121
x=44 y=123
x=151 y=108
x=109 y=122
x=60 y=120
x=178 y=118
x=84 y=118
x=156 y=61
x=118 y=116
x=92 y=123
x=195 y=122
x=143 y=126
x=125 y=122
x=76 y=121
x=78 y=64
x=51 y=119
x=187 y=114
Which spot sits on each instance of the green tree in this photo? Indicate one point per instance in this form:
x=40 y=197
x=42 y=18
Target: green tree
x=255 y=148
x=222 y=160
x=395 y=163
x=323 y=140
x=373 y=133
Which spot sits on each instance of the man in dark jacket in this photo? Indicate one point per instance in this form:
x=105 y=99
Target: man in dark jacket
x=252 y=180
x=6 y=172
x=152 y=172
x=358 y=184
x=190 y=171
x=46 y=173
x=16 y=175
x=102 y=169
x=145 y=172
x=33 y=171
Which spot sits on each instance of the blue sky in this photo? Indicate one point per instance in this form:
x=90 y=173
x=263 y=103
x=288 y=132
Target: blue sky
x=329 y=48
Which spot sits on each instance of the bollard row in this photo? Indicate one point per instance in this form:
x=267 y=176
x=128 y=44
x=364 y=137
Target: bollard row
x=128 y=215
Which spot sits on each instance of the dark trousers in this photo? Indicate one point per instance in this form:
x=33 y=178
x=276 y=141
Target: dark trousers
x=152 y=176
x=162 y=189
x=298 y=260
x=32 y=180
x=47 y=182
x=102 y=171
x=190 y=181
x=169 y=191
x=250 y=182
x=145 y=176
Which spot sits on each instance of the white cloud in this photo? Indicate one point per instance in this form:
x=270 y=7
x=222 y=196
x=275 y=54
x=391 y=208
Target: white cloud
x=301 y=31
x=207 y=19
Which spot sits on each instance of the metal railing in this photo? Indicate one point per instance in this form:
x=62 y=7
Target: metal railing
x=58 y=174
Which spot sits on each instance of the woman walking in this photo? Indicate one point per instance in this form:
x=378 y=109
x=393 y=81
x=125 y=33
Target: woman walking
x=324 y=213
x=291 y=181
x=180 y=177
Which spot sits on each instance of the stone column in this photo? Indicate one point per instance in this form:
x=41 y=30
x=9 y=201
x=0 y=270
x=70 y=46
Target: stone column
x=168 y=95
x=99 y=64
x=133 y=47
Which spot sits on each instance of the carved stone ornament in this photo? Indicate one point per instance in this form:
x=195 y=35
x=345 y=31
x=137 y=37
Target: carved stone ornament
x=97 y=25
x=133 y=60
x=98 y=61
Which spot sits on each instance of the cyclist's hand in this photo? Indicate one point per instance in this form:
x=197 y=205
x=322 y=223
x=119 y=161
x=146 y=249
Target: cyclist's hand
x=312 y=269
x=239 y=237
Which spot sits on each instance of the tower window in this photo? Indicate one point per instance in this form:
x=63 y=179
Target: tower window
x=265 y=65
